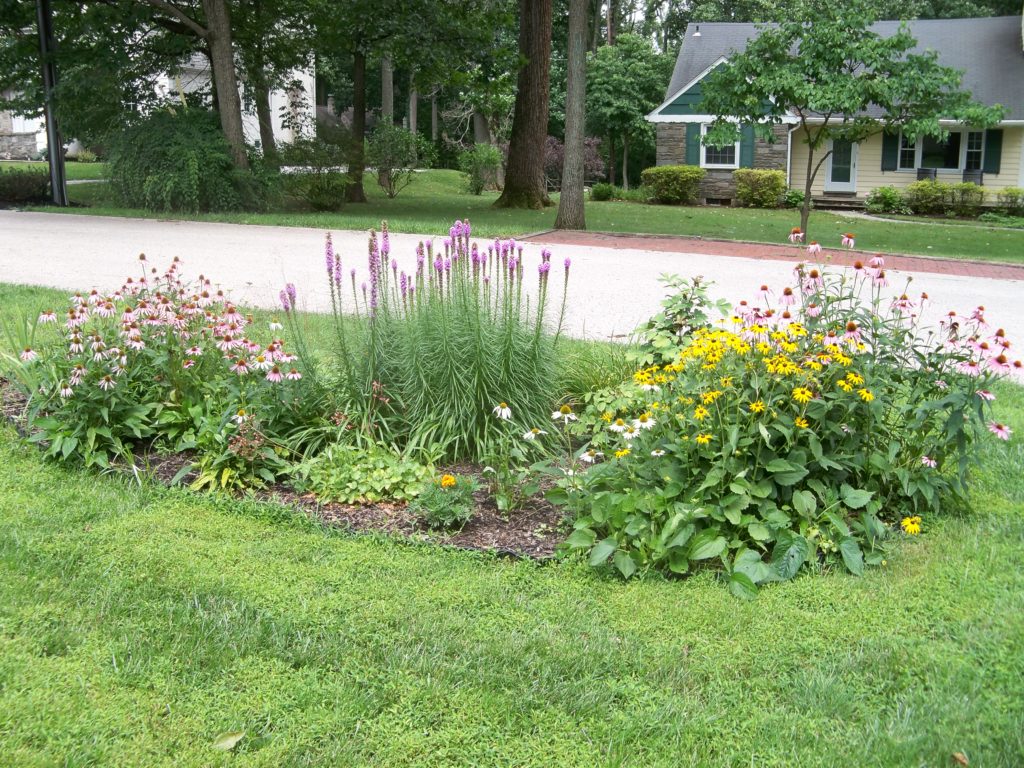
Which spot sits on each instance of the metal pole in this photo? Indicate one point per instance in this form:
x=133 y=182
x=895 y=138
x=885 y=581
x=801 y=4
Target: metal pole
x=54 y=149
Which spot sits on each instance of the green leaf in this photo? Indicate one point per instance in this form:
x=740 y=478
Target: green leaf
x=742 y=586
x=852 y=556
x=625 y=564
x=682 y=537
x=805 y=503
x=707 y=544
x=749 y=562
x=789 y=554
x=759 y=532
x=602 y=551
x=854 y=498
x=228 y=740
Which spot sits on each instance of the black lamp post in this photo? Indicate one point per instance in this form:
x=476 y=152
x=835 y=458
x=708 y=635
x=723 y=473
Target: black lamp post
x=55 y=149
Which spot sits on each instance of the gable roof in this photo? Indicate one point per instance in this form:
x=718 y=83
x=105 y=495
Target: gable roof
x=989 y=51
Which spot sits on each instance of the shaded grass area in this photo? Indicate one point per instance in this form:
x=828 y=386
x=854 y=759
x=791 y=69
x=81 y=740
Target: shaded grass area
x=137 y=623
x=74 y=171
x=436 y=198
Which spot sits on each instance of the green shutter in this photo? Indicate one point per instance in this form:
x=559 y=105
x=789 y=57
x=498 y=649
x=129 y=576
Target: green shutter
x=890 y=151
x=693 y=143
x=747 y=146
x=993 y=150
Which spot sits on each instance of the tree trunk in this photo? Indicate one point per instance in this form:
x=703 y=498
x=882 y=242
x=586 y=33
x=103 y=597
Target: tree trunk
x=414 y=105
x=222 y=62
x=611 y=160
x=265 y=116
x=625 y=161
x=524 y=175
x=595 y=30
x=570 y=201
x=387 y=90
x=433 y=118
x=611 y=23
x=481 y=131
x=354 y=193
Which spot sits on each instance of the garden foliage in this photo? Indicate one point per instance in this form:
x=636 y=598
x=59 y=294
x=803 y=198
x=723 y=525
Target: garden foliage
x=932 y=198
x=796 y=434
x=395 y=153
x=352 y=475
x=759 y=187
x=315 y=172
x=1011 y=200
x=480 y=166
x=673 y=184
x=886 y=200
x=23 y=186
x=447 y=502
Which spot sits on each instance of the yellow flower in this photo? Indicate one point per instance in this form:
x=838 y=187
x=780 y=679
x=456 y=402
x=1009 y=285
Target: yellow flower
x=802 y=395
x=703 y=439
x=854 y=378
x=700 y=413
x=865 y=395
x=911 y=525
x=764 y=348
x=726 y=381
x=801 y=422
x=757 y=406
x=710 y=397
x=844 y=385
x=843 y=360
x=622 y=453
x=447 y=481
x=607 y=417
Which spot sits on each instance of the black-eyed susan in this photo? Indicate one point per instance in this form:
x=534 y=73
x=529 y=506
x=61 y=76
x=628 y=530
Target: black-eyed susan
x=911 y=525
x=802 y=395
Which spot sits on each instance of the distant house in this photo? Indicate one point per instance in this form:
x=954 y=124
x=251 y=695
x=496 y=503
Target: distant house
x=20 y=138
x=990 y=53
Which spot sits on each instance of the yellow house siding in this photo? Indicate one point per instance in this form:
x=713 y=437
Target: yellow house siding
x=870 y=174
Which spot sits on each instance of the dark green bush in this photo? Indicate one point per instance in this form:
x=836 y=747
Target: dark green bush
x=793 y=198
x=480 y=165
x=927 y=198
x=966 y=199
x=885 y=200
x=1011 y=200
x=602 y=192
x=759 y=187
x=314 y=171
x=395 y=153
x=179 y=161
x=673 y=184
x=17 y=186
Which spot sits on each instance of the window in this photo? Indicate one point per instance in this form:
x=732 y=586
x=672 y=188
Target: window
x=908 y=153
x=718 y=157
x=959 y=151
x=975 y=147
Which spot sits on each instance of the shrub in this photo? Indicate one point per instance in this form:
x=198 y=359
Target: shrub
x=446 y=503
x=759 y=187
x=85 y=156
x=686 y=309
x=442 y=345
x=158 y=361
x=314 y=172
x=602 y=192
x=352 y=475
x=554 y=157
x=886 y=200
x=178 y=161
x=966 y=199
x=797 y=435
x=480 y=166
x=18 y=187
x=793 y=198
x=672 y=184
x=927 y=198
x=1002 y=219
x=1011 y=200
x=394 y=153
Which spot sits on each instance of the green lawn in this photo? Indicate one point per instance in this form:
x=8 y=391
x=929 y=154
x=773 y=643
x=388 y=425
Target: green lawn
x=137 y=623
x=75 y=171
x=436 y=198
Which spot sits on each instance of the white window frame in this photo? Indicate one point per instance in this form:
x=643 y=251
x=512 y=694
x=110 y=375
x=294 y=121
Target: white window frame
x=703 y=153
x=962 y=162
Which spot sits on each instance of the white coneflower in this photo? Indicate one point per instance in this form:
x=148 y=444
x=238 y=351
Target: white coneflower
x=619 y=425
x=630 y=433
x=565 y=414
x=107 y=382
x=275 y=325
x=590 y=456
x=241 y=416
x=502 y=411
x=657 y=453
x=66 y=391
x=644 y=421
x=533 y=434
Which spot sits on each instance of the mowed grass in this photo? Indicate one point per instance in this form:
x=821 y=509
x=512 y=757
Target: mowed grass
x=436 y=198
x=137 y=623
x=74 y=171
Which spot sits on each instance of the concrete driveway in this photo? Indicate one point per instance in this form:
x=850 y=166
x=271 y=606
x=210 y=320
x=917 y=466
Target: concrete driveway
x=612 y=288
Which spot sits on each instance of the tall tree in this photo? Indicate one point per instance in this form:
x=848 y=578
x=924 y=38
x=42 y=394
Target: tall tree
x=524 y=175
x=570 y=201
x=831 y=74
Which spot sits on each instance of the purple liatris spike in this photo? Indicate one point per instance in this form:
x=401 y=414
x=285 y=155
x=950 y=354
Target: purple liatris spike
x=568 y=261
x=447 y=265
x=290 y=289
x=438 y=264
x=544 y=267
x=285 y=304
x=512 y=264
x=394 y=266
x=329 y=257
x=403 y=283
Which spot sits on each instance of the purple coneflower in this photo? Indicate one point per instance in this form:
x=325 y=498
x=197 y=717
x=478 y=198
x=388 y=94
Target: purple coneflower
x=274 y=375
x=293 y=375
x=240 y=366
x=188 y=363
x=814 y=248
x=28 y=355
x=1001 y=431
x=66 y=391
x=984 y=394
x=107 y=383
x=47 y=317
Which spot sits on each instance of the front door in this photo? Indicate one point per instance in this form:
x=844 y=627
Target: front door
x=841 y=170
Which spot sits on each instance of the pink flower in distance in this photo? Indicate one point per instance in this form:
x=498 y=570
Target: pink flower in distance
x=814 y=248
x=274 y=375
x=928 y=462
x=28 y=355
x=293 y=375
x=984 y=394
x=1001 y=431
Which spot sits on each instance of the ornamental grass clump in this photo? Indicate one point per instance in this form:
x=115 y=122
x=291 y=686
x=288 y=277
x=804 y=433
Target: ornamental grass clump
x=802 y=430
x=441 y=340
x=160 y=362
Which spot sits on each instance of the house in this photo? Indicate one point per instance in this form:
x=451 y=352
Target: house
x=20 y=138
x=989 y=52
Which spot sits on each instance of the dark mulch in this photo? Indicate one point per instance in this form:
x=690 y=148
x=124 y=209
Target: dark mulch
x=531 y=532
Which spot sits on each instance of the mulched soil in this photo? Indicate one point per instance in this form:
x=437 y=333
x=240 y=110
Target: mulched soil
x=532 y=532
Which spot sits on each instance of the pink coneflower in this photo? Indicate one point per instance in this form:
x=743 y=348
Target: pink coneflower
x=136 y=344
x=876 y=262
x=969 y=367
x=940 y=384
x=293 y=375
x=188 y=363
x=929 y=462
x=903 y=304
x=28 y=355
x=813 y=310
x=813 y=280
x=106 y=309
x=77 y=372
x=787 y=299
x=47 y=317
x=118 y=368
x=880 y=279
x=848 y=240
x=852 y=332
x=194 y=351
x=107 y=383
x=814 y=248
x=763 y=294
x=796 y=235
x=274 y=375
x=226 y=343
x=1000 y=364
x=75 y=345
x=240 y=366
x=1001 y=431
x=984 y=394
x=66 y=391
x=78 y=299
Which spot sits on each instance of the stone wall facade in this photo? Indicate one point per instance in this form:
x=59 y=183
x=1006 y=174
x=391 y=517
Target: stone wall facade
x=719 y=184
x=14 y=145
